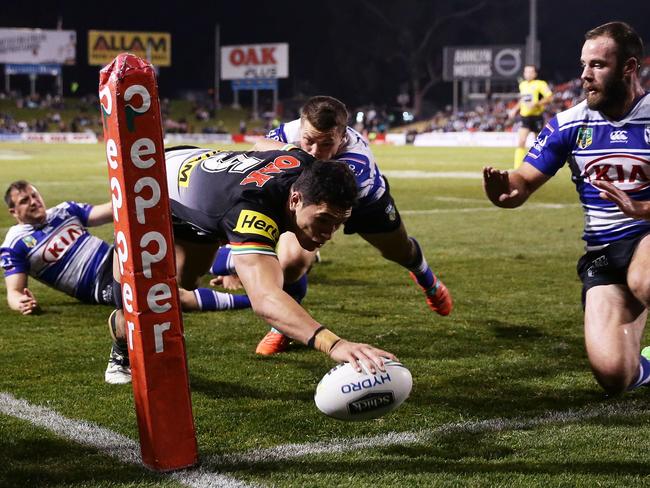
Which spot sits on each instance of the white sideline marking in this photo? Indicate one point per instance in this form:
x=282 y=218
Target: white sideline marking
x=291 y=451
x=127 y=450
x=14 y=155
x=106 y=441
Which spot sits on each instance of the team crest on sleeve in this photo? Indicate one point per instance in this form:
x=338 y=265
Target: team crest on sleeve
x=646 y=134
x=30 y=241
x=585 y=137
x=251 y=222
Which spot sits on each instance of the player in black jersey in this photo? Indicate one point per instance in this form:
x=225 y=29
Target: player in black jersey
x=246 y=200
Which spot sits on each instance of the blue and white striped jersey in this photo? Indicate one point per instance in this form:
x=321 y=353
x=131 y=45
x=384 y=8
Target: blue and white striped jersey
x=354 y=151
x=600 y=149
x=61 y=253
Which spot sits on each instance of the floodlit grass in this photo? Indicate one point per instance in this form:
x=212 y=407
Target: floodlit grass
x=511 y=350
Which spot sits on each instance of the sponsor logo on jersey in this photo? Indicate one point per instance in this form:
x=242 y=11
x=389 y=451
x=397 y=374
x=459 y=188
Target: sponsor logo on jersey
x=60 y=242
x=261 y=176
x=251 y=222
x=185 y=171
x=626 y=171
x=585 y=137
x=646 y=134
x=29 y=241
x=618 y=136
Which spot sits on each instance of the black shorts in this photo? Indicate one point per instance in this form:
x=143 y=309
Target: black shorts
x=375 y=218
x=607 y=266
x=104 y=287
x=533 y=123
x=185 y=231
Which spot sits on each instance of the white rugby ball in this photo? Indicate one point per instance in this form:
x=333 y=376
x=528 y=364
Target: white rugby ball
x=345 y=394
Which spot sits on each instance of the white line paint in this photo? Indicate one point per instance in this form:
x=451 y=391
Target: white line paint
x=291 y=451
x=127 y=450
x=14 y=155
x=106 y=441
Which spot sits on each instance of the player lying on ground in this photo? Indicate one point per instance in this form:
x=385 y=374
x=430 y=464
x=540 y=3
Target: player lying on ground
x=54 y=246
x=322 y=131
x=247 y=200
x=604 y=138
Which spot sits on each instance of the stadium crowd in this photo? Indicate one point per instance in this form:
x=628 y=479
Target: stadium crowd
x=490 y=115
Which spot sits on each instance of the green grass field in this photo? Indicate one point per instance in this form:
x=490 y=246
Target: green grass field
x=502 y=394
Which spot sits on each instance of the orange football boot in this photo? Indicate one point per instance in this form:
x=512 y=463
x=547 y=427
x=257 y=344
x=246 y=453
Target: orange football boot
x=438 y=297
x=272 y=343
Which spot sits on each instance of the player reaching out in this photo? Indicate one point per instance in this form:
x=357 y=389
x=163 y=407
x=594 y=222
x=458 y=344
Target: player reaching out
x=604 y=139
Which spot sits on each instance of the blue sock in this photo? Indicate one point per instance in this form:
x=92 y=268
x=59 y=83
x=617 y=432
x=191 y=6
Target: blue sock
x=420 y=268
x=223 y=264
x=644 y=374
x=297 y=290
x=210 y=300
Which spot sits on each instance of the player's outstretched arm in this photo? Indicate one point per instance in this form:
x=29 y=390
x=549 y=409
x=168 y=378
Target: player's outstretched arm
x=630 y=207
x=19 y=297
x=510 y=189
x=100 y=214
x=261 y=275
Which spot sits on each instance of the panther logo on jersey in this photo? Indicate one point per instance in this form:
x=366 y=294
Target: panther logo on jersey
x=585 y=137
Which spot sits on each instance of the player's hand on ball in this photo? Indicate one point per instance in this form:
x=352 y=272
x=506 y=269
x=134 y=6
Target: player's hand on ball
x=354 y=353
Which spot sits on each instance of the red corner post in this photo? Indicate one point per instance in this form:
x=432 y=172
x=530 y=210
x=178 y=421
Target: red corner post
x=144 y=243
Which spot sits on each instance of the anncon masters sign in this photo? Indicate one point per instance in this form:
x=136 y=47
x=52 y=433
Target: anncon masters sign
x=482 y=62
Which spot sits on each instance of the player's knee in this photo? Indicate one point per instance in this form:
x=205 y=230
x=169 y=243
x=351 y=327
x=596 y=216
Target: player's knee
x=614 y=385
x=639 y=283
x=614 y=376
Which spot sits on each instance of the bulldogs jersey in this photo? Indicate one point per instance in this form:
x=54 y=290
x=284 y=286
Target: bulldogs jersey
x=61 y=253
x=234 y=197
x=600 y=149
x=354 y=151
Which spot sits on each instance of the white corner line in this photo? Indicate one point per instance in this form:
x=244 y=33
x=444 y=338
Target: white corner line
x=292 y=451
x=107 y=442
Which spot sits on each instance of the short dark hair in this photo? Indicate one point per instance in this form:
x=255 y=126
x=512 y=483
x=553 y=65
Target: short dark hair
x=628 y=43
x=325 y=113
x=329 y=182
x=19 y=185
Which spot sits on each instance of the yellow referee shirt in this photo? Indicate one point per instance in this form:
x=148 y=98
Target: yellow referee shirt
x=531 y=92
